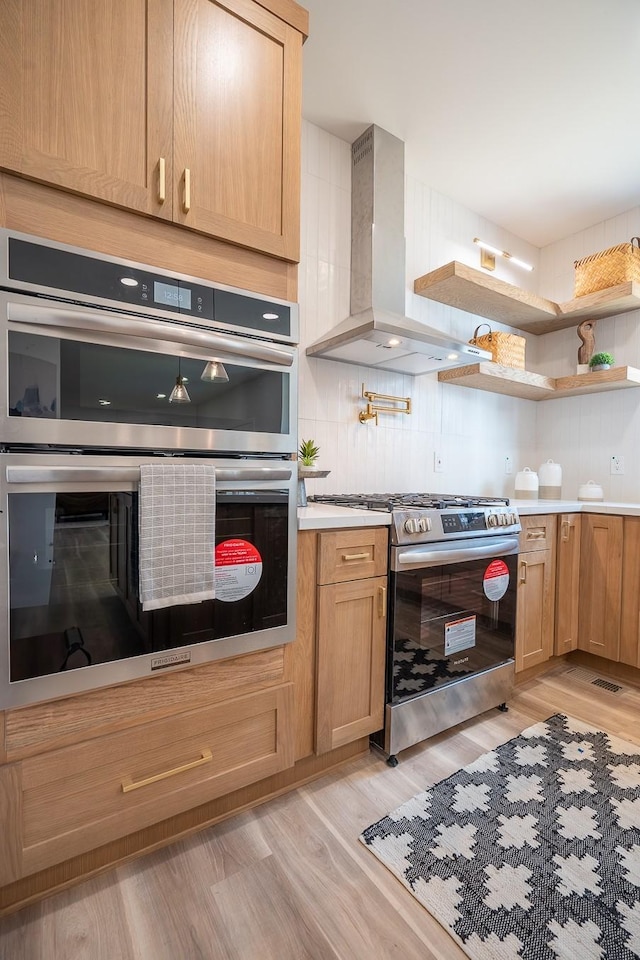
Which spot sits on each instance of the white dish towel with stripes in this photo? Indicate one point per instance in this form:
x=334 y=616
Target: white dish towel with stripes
x=176 y=526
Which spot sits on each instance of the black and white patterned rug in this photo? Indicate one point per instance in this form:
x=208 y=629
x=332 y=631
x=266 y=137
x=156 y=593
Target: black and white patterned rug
x=532 y=851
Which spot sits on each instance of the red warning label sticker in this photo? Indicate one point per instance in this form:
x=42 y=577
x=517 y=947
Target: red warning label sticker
x=496 y=580
x=238 y=569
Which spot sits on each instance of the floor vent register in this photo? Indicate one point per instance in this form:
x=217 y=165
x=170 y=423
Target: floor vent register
x=585 y=676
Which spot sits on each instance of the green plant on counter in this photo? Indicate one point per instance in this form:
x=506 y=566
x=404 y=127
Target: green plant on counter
x=602 y=360
x=308 y=453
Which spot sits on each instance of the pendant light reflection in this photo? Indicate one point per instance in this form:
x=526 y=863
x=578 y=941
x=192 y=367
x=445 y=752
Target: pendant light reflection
x=214 y=371
x=179 y=393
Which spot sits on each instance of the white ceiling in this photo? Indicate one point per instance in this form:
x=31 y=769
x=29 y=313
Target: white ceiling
x=524 y=111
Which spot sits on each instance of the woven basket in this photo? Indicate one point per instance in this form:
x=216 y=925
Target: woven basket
x=506 y=348
x=608 y=268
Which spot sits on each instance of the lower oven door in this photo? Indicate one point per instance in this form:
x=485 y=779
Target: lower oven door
x=452 y=613
x=69 y=573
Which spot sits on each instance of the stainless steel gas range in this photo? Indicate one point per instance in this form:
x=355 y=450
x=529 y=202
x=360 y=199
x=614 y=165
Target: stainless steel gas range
x=452 y=610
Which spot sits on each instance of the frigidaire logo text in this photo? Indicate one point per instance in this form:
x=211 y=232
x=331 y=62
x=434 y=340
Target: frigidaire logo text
x=464 y=660
x=170 y=660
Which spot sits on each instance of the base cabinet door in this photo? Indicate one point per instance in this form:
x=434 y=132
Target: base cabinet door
x=352 y=619
x=535 y=617
x=600 y=586
x=567 y=583
x=630 y=610
x=535 y=611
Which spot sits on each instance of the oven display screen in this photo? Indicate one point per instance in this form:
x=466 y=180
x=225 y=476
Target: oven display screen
x=167 y=293
x=461 y=522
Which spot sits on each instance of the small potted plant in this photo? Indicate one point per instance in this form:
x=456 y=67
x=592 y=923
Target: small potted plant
x=307 y=456
x=308 y=453
x=601 y=361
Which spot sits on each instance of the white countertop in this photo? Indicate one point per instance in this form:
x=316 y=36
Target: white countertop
x=532 y=507
x=324 y=516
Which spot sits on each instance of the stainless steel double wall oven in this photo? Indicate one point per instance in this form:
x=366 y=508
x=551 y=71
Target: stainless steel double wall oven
x=91 y=348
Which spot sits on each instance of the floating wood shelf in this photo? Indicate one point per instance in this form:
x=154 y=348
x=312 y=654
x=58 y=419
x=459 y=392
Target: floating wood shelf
x=533 y=386
x=468 y=289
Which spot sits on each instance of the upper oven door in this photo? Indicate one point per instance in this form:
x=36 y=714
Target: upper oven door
x=90 y=377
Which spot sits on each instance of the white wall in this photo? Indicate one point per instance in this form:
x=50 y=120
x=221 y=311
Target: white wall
x=583 y=433
x=473 y=430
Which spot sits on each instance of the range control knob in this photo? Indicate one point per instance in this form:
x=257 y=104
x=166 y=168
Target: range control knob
x=492 y=520
x=424 y=524
x=512 y=517
x=502 y=519
x=411 y=526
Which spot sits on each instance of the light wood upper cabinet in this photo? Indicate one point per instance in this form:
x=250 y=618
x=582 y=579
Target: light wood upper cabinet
x=237 y=124
x=86 y=96
x=600 y=586
x=567 y=583
x=188 y=110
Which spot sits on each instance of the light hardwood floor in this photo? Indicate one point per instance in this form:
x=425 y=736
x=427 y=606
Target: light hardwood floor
x=289 y=880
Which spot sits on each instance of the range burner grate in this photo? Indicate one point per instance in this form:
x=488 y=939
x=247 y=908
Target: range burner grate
x=401 y=501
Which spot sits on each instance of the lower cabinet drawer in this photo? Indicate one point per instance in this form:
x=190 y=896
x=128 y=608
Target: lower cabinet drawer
x=352 y=554
x=80 y=797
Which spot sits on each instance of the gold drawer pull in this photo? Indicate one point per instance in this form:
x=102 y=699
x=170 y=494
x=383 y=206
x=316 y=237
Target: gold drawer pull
x=566 y=524
x=162 y=184
x=355 y=556
x=128 y=784
x=538 y=535
x=523 y=567
x=186 y=205
x=382 y=601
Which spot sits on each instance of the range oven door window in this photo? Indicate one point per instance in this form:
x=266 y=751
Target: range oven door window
x=72 y=597
x=449 y=621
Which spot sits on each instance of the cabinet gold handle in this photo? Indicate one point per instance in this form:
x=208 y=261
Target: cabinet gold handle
x=186 y=206
x=523 y=567
x=382 y=601
x=355 y=556
x=536 y=535
x=565 y=529
x=128 y=784
x=162 y=183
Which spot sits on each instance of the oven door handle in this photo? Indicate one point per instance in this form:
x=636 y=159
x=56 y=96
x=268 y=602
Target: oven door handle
x=56 y=474
x=430 y=557
x=127 y=325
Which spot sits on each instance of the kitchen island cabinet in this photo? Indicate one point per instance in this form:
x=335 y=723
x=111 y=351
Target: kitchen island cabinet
x=183 y=110
x=535 y=618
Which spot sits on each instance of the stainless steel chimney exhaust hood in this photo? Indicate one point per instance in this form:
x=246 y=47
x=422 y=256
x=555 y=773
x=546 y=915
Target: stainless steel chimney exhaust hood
x=377 y=333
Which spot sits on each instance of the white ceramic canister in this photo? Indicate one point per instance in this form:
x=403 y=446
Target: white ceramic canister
x=526 y=484
x=550 y=480
x=590 y=491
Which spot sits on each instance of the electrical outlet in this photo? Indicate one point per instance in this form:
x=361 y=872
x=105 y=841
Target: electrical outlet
x=508 y=464
x=438 y=462
x=617 y=465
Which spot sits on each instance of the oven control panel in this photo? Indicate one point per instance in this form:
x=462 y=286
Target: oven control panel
x=418 y=525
